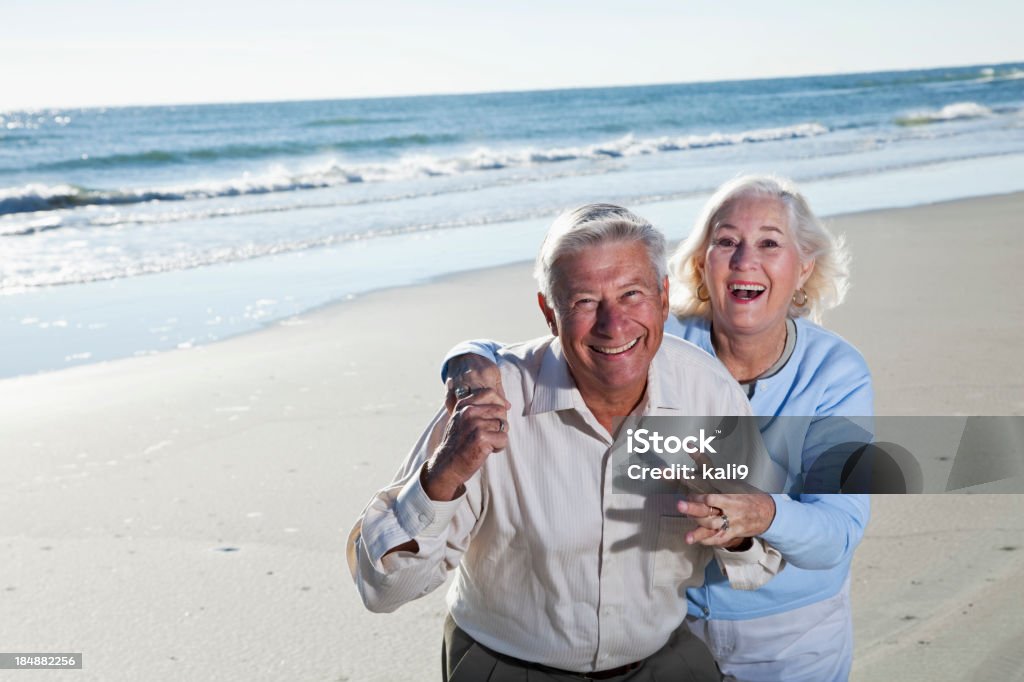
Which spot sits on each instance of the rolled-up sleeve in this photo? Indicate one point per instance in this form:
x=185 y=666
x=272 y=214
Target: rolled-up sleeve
x=751 y=568
x=400 y=513
x=483 y=347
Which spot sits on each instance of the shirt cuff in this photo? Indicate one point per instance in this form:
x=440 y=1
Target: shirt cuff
x=752 y=567
x=482 y=347
x=396 y=561
x=420 y=516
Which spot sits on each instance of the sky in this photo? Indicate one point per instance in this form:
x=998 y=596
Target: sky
x=69 y=53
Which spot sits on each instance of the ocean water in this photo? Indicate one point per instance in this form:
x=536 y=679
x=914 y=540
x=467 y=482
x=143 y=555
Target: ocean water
x=134 y=230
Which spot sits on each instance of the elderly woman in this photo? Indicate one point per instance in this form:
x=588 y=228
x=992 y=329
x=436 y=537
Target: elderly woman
x=755 y=270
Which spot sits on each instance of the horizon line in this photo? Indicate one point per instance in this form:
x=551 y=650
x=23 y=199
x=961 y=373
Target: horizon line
x=256 y=101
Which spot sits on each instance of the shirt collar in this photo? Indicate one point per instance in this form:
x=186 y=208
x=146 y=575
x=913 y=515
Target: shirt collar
x=555 y=387
x=655 y=399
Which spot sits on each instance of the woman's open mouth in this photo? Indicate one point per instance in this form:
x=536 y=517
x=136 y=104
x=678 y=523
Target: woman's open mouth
x=746 y=291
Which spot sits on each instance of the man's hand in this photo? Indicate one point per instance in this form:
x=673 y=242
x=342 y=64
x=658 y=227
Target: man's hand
x=477 y=427
x=471 y=371
x=748 y=514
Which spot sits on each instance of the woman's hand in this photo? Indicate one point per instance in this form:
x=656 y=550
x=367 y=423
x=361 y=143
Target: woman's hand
x=725 y=518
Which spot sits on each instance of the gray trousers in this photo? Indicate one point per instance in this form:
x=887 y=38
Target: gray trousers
x=683 y=659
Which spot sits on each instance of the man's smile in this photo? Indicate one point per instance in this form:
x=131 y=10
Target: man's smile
x=616 y=350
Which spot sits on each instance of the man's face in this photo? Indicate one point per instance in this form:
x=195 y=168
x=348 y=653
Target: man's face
x=610 y=318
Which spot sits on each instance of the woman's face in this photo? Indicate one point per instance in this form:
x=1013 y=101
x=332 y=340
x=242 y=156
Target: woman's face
x=752 y=267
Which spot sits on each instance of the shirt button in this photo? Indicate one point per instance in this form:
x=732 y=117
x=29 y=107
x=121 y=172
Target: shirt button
x=424 y=518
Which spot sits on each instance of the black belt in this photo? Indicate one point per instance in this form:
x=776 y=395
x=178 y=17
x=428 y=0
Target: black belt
x=596 y=675
x=607 y=674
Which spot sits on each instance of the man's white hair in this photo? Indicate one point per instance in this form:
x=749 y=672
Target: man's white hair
x=591 y=225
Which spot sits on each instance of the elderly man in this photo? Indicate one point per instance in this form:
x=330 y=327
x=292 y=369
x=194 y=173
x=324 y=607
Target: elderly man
x=556 y=576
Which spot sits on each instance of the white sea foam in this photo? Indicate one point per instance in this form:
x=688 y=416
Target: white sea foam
x=32 y=226
x=629 y=145
x=98 y=262
x=113 y=216
x=74 y=267
x=991 y=75
x=38 y=197
x=950 y=112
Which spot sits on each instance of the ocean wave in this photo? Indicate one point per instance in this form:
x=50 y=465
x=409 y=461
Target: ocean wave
x=97 y=263
x=118 y=219
x=38 y=197
x=630 y=145
x=393 y=141
x=950 y=112
x=162 y=157
x=985 y=74
x=343 y=121
x=82 y=270
x=994 y=76
x=24 y=229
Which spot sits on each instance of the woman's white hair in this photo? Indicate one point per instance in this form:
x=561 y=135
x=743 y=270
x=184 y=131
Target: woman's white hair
x=591 y=225
x=828 y=283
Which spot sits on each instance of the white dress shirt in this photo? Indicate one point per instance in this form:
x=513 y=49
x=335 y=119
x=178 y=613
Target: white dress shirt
x=553 y=566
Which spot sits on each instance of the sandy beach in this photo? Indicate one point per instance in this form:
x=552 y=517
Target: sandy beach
x=183 y=515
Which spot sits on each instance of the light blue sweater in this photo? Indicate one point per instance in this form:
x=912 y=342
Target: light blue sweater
x=817 y=534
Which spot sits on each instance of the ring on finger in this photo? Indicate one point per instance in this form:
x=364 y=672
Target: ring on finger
x=463 y=391
x=725 y=523
x=501 y=425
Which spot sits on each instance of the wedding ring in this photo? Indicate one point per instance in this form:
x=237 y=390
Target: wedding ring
x=725 y=523
x=501 y=425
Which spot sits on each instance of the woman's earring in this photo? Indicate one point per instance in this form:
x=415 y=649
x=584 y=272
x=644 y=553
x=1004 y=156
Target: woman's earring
x=802 y=300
